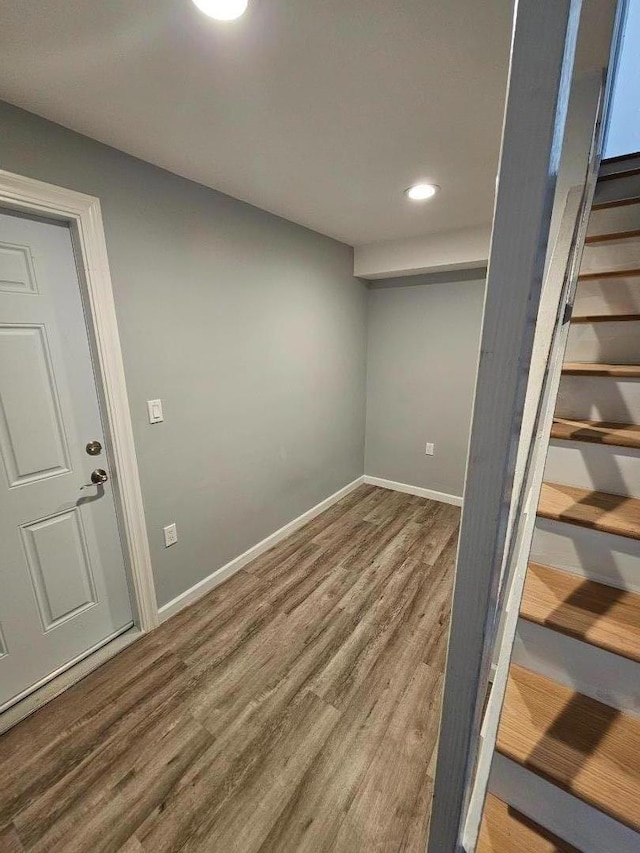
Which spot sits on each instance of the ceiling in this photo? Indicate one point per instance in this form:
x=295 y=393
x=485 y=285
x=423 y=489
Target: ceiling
x=321 y=111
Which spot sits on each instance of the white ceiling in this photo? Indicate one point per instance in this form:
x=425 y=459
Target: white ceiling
x=321 y=111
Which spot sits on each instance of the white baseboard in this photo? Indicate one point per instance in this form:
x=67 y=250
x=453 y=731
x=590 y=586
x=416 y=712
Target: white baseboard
x=443 y=497
x=204 y=586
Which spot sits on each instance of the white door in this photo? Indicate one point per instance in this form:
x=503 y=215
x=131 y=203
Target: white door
x=63 y=586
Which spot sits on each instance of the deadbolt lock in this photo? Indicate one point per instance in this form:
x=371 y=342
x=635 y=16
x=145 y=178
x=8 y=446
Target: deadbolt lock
x=94 y=448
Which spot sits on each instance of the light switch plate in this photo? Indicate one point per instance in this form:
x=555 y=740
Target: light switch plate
x=170 y=535
x=430 y=449
x=154 y=407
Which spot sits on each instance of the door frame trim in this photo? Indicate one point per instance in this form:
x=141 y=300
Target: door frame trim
x=84 y=216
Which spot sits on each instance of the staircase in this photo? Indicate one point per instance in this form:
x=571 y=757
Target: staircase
x=566 y=769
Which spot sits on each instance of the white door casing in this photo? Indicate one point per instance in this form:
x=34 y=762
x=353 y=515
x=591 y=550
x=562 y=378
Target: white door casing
x=31 y=348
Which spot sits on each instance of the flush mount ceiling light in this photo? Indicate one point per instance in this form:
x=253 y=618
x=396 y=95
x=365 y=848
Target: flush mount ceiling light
x=421 y=192
x=222 y=10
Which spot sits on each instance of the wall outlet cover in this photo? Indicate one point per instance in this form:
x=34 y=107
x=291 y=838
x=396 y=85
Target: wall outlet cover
x=170 y=535
x=430 y=449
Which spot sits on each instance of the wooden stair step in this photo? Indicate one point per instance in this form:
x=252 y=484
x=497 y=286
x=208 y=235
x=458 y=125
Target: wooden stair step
x=609 y=164
x=592 y=612
x=586 y=368
x=606 y=318
x=590 y=276
x=583 y=746
x=618 y=183
x=613 y=235
x=626 y=173
x=611 y=279
x=618 y=191
x=597 y=432
x=505 y=830
x=602 y=511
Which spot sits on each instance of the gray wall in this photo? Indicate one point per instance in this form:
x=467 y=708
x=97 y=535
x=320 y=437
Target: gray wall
x=424 y=334
x=251 y=329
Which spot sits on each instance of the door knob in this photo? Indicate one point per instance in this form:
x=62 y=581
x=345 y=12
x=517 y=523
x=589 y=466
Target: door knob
x=94 y=448
x=98 y=477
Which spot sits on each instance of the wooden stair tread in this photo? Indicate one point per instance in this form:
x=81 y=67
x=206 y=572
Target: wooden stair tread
x=590 y=276
x=613 y=235
x=593 y=612
x=618 y=158
x=602 y=511
x=614 y=176
x=605 y=318
x=617 y=202
x=597 y=432
x=584 y=747
x=586 y=368
x=614 y=276
x=506 y=830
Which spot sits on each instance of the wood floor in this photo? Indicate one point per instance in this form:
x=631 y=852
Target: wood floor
x=293 y=709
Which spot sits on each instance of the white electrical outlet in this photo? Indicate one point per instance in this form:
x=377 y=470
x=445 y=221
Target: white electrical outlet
x=430 y=448
x=170 y=535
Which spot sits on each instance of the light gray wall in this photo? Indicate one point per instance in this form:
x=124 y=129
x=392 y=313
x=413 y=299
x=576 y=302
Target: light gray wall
x=252 y=330
x=423 y=341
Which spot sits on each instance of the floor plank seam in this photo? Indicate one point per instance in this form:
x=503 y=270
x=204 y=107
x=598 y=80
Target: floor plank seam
x=216 y=730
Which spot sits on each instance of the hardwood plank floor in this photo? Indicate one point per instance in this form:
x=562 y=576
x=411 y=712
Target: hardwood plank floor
x=294 y=708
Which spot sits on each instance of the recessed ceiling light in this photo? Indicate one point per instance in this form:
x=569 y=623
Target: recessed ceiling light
x=421 y=192
x=222 y=10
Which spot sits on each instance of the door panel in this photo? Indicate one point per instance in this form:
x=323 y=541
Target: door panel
x=59 y=565
x=16 y=269
x=63 y=583
x=31 y=434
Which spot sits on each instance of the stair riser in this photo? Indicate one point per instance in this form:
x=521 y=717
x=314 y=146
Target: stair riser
x=621 y=188
x=614 y=220
x=611 y=343
x=599 y=398
x=566 y=816
x=601 y=557
x=618 y=165
x=608 y=296
x=598 y=467
x=590 y=670
x=613 y=255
